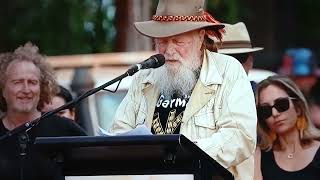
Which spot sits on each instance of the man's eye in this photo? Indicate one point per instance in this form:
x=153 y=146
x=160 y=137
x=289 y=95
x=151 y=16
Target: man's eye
x=34 y=82
x=16 y=82
x=162 y=43
x=180 y=43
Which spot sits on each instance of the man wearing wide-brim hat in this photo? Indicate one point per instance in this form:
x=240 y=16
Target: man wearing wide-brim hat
x=201 y=94
x=236 y=43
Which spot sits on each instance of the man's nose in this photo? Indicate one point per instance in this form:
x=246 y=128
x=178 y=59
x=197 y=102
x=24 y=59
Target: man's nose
x=26 y=87
x=170 y=50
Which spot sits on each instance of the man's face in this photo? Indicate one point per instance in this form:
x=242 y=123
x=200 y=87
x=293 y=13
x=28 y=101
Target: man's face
x=22 y=87
x=246 y=59
x=181 y=49
x=183 y=62
x=248 y=64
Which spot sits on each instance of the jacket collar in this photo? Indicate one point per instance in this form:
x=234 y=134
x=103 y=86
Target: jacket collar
x=210 y=74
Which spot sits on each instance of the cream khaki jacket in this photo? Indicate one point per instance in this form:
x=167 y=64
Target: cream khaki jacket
x=220 y=116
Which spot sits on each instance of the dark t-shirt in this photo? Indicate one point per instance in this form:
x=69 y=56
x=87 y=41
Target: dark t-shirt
x=271 y=171
x=34 y=165
x=168 y=114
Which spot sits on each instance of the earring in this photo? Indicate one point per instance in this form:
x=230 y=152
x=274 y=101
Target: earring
x=301 y=125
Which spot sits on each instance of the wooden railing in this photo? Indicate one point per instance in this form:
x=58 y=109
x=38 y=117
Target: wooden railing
x=98 y=60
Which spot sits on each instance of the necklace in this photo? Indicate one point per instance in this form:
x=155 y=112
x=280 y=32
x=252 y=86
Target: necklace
x=291 y=155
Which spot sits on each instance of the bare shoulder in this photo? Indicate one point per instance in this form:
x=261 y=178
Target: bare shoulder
x=257 y=165
x=257 y=156
x=258 y=151
x=316 y=151
x=313 y=148
x=316 y=144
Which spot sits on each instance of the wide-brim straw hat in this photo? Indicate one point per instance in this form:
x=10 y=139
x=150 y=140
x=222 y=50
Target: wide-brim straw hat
x=236 y=40
x=177 y=16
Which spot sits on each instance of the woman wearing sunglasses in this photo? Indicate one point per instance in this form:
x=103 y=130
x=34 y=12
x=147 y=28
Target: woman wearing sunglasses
x=286 y=147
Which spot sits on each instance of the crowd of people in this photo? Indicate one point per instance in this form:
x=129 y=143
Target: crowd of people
x=255 y=130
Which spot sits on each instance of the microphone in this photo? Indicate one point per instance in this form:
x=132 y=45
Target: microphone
x=154 y=61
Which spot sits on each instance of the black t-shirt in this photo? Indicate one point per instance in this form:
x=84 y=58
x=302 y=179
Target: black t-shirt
x=271 y=171
x=168 y=114
x=34 y=165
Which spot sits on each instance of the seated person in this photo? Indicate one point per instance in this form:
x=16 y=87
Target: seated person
x=287 y=148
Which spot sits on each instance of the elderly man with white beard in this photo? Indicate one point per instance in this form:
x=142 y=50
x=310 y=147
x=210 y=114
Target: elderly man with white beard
x=199 y=93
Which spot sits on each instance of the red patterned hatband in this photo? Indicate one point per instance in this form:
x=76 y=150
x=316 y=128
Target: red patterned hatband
x=179 y=18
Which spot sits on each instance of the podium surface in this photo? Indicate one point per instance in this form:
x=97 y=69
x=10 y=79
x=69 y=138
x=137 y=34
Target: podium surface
x=131 y=155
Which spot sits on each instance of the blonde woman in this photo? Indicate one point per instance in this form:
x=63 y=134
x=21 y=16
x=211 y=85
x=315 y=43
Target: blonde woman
x=286 y=148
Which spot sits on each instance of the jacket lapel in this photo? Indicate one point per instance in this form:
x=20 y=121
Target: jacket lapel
x=151 y=94
x=205 y=88
x=199 y=98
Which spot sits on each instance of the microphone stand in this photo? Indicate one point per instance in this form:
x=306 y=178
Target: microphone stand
x=27 y=126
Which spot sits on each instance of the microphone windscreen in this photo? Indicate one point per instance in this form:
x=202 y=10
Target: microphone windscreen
x=160 y=60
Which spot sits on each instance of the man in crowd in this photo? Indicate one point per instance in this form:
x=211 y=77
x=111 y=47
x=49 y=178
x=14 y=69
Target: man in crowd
x=237 y=43
x=27 y=83
x=201 y=94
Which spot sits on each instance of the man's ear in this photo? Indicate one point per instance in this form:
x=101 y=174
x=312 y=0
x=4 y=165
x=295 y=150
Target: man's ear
x=202 y=33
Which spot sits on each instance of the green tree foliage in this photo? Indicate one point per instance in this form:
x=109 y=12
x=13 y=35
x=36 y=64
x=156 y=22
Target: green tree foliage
x=58 y=27
x=88 y=26
x=226 y=11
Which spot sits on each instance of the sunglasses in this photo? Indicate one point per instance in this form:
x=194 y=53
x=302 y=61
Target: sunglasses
x=280 y=104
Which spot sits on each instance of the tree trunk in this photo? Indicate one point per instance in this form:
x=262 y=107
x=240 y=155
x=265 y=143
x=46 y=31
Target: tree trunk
x=128 y=12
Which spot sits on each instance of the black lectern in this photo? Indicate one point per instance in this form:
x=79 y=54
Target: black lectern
x=132 y=155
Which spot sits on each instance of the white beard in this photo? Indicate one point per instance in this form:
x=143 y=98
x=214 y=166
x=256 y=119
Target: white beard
x=179 y=79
